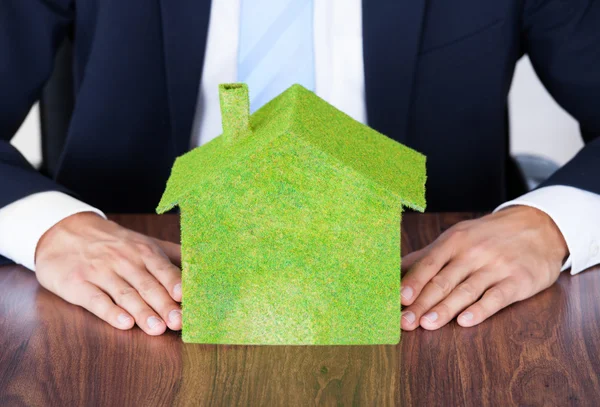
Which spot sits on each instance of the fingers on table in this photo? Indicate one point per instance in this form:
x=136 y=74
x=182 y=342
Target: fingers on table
x=125 y=295
x=480 y=296
x=423 y=270
x=154 y=294
x=92 y=298
x=462 y=294
x=495 y=298
x=439 y=287
x=166 y=273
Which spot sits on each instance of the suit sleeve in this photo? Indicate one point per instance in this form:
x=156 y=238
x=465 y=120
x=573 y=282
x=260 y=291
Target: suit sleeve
x=562 y=39
x=30 y=33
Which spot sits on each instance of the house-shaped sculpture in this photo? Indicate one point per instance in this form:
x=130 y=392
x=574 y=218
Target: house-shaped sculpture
x=290 y=225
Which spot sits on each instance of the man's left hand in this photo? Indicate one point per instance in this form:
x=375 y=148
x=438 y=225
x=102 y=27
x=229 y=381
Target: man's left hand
x=481 y=266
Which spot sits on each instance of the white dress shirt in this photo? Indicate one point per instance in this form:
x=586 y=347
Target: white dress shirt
x=340 y=81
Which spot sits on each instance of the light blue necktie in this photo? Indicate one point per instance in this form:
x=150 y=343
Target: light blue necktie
x=275 y=47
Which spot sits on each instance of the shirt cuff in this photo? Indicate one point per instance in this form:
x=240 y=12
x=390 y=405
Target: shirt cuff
x=577 y=215
x=24 y=222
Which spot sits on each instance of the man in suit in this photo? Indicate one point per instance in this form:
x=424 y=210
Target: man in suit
x=433 y=75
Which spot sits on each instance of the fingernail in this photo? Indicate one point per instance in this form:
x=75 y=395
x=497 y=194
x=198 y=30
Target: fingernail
x=175 y=315
x=123 y=319
x=431 y=317
x=467 y=316
x=406 y=292
x=409 y=315
x=153 y=322
x=177 y=289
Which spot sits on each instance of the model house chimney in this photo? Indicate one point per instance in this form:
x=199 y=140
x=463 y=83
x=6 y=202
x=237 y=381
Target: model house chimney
x=235 y=111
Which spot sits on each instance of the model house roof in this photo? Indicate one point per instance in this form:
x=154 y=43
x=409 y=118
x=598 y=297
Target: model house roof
x=298 y=111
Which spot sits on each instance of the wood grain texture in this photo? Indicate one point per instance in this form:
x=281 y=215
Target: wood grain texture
x=542 y=351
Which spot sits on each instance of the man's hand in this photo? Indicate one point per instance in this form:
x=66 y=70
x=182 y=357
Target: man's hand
x=120 y=275
x=481 y=266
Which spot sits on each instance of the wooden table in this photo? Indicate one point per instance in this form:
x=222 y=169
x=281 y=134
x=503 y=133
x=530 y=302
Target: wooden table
x=543 y=351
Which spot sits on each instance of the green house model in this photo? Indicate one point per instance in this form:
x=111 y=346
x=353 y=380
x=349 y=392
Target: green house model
x=290 y=225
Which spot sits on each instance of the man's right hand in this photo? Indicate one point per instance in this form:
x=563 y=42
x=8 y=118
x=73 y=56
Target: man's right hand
x=119 y=275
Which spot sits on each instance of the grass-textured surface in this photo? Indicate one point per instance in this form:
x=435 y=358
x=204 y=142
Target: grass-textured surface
x=291 y=231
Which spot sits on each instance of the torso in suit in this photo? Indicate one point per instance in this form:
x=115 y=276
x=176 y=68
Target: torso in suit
x=437 y=75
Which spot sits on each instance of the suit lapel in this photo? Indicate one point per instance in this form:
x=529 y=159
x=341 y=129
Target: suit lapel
x=185 y=29
x=391 y=39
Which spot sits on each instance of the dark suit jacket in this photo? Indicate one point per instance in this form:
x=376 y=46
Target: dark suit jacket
x=437 y=75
